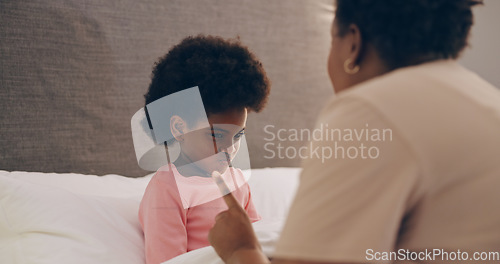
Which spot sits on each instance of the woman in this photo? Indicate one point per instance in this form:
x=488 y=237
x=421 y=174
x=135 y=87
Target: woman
x=429 y=191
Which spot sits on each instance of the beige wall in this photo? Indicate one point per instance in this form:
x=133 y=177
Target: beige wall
x=483 y=55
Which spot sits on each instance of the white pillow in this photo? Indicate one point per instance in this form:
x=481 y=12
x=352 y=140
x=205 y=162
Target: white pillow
x=75 y=218
x=273 y=190
x=46 y=224
x=108 y=185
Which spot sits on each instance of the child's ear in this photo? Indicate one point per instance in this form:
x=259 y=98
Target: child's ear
x=177 y=127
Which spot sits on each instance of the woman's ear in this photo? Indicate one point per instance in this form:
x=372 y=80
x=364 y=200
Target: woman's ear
x=178 y=127
x=356 y=45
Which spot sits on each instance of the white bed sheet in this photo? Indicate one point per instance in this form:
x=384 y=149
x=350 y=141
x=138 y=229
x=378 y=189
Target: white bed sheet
x=75 y=218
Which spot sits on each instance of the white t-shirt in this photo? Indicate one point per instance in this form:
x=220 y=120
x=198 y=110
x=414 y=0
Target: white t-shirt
x=429 y=178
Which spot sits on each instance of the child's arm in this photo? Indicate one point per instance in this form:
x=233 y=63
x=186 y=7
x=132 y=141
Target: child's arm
x=164 y=222
x=250 y=208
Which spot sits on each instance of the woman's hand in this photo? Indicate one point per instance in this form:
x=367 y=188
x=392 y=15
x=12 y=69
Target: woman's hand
x=232 y=231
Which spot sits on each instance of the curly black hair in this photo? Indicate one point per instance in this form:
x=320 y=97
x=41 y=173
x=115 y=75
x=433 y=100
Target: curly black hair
x=227 y=74
x=409 y=32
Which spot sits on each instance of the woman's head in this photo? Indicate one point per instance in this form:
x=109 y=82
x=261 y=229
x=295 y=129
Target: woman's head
x=398 y=33
x=231 y=82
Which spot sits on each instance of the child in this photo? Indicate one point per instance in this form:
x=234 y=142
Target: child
x=231 y=82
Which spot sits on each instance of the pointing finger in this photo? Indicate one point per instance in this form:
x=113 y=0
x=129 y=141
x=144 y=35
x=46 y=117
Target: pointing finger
x=226 y=193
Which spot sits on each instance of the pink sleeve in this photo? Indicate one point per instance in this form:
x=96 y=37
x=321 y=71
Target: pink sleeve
x=163 y=219
x=250 y=208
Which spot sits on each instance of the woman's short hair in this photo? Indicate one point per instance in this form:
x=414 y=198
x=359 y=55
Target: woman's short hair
x=407 y=32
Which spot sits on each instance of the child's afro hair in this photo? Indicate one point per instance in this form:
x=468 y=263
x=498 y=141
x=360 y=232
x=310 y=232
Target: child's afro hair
x=228 y=75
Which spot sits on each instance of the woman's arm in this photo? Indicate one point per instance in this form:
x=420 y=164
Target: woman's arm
x=232 y=235
x=234 y=240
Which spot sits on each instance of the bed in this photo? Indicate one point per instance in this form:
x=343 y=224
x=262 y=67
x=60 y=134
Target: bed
x=73 y=74
x=77 y=218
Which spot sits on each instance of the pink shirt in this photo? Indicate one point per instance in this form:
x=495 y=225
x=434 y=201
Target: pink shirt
x=175 y=217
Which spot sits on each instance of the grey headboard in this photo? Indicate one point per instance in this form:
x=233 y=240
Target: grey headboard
x=73 y=73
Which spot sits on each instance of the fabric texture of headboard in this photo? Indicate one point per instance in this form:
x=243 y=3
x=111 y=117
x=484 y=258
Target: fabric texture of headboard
x=74 y=72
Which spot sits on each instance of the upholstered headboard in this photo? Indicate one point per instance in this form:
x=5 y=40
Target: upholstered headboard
x=74 y=72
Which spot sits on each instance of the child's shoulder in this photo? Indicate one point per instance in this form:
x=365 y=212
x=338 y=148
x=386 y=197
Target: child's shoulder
x=163 y=187
x=164 y=175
